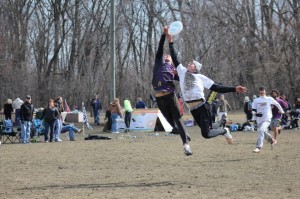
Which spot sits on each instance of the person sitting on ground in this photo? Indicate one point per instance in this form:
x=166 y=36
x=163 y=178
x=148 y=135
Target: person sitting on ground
x=72 y=129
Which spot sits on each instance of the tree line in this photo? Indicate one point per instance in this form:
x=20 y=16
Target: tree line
x=53 y=48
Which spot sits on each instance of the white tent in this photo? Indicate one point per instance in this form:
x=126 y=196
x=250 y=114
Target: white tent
x=145 y=120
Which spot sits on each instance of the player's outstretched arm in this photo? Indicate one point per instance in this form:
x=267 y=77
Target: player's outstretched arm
x=227 y=89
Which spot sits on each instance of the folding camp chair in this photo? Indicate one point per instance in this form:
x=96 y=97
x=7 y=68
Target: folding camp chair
x=38 y=130
x=8 y=133
x=66 y=134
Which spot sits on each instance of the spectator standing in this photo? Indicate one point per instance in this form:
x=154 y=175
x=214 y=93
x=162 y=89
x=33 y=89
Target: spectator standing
x=276 y=119
x=26 y=116
x=254 y=113
x=214 y=110
x=58 y=123
x=17 y=106
x=297 y=108
x=262 y=107
x=140 y=104
x=107 y=126
x=224 y=107
x=128 y=111
x=289 y=107
x=8 y=109
x=285 y=116
x=115 y=110
x=297 y=104
x=248 y=108
x=97 y=107
x=50 y=116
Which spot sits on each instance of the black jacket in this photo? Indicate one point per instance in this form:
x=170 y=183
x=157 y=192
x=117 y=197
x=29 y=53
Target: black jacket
x=8 y=109
x=50 y=114
x=26 y=112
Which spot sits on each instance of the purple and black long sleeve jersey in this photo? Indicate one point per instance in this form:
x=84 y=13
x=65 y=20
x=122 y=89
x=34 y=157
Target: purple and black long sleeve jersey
x=163 y=72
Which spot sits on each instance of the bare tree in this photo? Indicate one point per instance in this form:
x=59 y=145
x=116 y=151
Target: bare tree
x=50 y=48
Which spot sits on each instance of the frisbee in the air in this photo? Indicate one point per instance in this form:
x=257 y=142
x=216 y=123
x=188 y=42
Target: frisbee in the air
x=175 y=28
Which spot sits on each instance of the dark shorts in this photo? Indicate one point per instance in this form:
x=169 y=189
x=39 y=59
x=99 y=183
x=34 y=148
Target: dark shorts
x=275 y=123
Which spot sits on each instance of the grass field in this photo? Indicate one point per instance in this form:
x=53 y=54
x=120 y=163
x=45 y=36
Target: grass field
x=152 y=166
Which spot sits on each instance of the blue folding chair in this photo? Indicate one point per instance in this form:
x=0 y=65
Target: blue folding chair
x=8 y=133
x=38 y=130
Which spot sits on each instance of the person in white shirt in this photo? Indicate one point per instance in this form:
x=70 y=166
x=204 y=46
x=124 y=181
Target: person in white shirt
x=262 y=107
x=17 y=103
x=192 y=85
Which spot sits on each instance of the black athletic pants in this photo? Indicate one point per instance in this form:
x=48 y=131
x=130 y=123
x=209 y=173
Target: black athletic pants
x=168 y=105
x=127 y=119
x=202 y=117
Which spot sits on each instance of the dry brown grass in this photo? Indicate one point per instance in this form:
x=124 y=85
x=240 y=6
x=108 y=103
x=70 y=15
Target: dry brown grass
x=152 y=167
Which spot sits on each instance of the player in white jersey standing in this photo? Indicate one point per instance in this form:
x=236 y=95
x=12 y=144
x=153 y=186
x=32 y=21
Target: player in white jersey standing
x=262 y=107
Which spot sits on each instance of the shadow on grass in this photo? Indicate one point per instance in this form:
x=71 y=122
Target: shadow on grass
x=231 y=160
x=99 y=186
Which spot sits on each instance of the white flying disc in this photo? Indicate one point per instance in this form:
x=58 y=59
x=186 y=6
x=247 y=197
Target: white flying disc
x=175 y=28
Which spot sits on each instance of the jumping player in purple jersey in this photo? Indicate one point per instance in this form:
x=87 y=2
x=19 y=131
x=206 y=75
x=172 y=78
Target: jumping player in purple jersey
x=164 y=87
